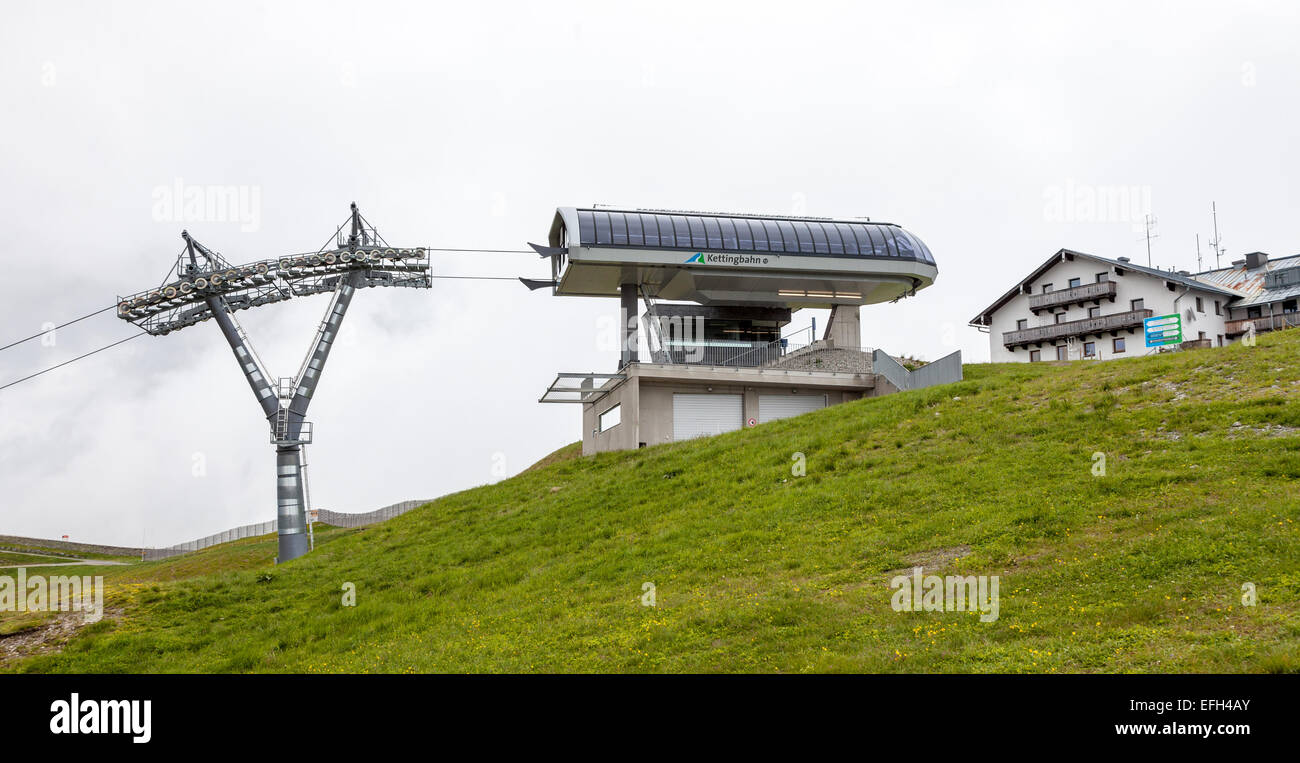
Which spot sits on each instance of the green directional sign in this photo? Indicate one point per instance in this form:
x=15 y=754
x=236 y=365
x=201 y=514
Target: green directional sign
x=1161 y=330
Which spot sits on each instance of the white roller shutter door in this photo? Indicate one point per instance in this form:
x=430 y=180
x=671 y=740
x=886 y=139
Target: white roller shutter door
x=699 y=415
x=773 y=407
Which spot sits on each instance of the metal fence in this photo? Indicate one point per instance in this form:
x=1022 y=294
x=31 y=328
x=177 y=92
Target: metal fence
x=335 y=518
x=225 y=536
x=369 y=518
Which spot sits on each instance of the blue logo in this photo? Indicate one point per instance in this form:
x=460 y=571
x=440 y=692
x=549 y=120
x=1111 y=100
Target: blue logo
x=697 y=257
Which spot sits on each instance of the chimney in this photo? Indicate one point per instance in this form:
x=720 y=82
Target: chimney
x=1238 y=263
x=1123 y=260
x=1256 y=260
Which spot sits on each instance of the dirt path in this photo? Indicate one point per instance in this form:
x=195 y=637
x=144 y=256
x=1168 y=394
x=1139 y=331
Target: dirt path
x=46 y=637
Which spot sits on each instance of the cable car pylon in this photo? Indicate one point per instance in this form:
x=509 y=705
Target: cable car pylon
x=206 y=286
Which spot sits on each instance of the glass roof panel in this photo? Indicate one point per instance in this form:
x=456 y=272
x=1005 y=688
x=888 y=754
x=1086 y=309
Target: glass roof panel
x=791 y=235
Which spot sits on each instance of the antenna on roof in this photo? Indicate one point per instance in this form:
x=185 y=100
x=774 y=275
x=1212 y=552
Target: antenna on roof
x=1216 y=243
x=1149 y=224
x=1199 y=269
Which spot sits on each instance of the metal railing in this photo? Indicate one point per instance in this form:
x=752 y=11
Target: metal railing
x=708 y=354
x=731 y=353
x=282 y=430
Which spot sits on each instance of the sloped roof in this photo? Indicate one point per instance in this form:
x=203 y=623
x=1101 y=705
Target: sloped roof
x=985 y=316
x=1251 y=282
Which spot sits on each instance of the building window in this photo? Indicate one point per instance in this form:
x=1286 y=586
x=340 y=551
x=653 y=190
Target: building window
x=1076 y=282
x=1200 y=335
x=1136 y=304
x=1089 y=349
x=1103 y=277
x=1094 y=312
x=1117 y=344
x=1200 y=306
x=1288 y=306
x=1047 y=287
x=1062 y=353
x=1035 y=356
x=1060 y=317
x=1022 y=324
x=1220 y=340
x=611 y=418
x=1218 y=307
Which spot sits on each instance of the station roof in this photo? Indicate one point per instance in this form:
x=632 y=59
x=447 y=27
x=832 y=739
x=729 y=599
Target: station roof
x=711 y=258
x=709 y=231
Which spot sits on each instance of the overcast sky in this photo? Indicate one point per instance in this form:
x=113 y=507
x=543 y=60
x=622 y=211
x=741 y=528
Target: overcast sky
x=985 y=129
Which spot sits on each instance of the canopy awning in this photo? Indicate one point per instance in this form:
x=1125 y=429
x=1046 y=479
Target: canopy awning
x=579 y=387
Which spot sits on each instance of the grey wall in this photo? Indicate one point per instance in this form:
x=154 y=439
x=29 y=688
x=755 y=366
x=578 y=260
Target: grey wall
x=647 y=415
x=945 y=370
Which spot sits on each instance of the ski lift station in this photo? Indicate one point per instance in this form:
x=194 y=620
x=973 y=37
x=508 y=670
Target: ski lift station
x=719 y=292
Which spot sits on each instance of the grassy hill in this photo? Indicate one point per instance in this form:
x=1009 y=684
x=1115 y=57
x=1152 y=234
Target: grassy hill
x=759 y=570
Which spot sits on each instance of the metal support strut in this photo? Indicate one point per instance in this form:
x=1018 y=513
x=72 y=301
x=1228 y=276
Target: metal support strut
x=289 y=428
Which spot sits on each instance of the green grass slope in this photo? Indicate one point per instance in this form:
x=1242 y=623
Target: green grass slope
x=757 y=569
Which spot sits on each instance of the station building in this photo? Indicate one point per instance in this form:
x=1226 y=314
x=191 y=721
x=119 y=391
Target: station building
x=719 y=293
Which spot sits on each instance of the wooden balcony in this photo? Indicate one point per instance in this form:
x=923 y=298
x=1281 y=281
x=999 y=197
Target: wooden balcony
x=1267 y=323
x=1089 y=292
x=1052 y=332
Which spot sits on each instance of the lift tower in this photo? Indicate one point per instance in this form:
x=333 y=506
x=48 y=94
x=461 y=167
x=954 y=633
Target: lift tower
x=202 y=285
